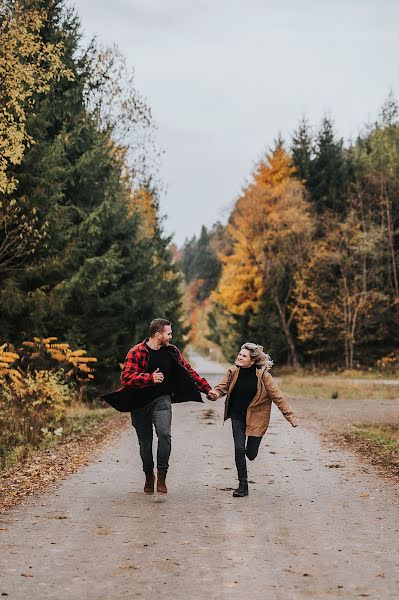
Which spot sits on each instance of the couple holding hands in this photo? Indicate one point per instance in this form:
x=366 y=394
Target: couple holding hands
x=155 y=375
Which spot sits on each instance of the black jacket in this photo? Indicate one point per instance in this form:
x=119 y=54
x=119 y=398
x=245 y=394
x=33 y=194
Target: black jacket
x=184 y=389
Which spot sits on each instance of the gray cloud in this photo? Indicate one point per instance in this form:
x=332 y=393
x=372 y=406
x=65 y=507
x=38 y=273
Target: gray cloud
x=224 y=77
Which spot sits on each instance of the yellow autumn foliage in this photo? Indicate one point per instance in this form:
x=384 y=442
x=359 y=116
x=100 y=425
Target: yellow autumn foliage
x=348 y=255
x=8 y=367
x=32 y=410
x=143 y=203
x=42 y=350
x=28 y=64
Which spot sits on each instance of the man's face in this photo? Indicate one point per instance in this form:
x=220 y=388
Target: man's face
x=165 y=335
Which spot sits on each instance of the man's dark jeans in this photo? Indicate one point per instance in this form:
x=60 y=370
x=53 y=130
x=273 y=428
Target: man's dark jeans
x=250 y=449
x=159 y=415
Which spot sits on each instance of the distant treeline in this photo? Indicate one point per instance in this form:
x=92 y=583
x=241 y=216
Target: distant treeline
x=82 y=253
x=308 y=264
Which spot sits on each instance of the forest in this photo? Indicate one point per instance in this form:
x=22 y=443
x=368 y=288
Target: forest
x=83 y=256
x=308 y=263
x=96 y=140
x=84 y=261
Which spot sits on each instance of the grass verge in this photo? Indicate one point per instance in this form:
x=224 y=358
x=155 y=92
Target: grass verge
x=385 y=436
x=79 y=419
x=379 y=443
x=85 y=433
x=324 y=388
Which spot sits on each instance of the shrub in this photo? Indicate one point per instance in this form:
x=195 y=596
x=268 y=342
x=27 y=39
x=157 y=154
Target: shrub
x=37 y=382
x=29 y=412
x=49 y=353
x=389 y=364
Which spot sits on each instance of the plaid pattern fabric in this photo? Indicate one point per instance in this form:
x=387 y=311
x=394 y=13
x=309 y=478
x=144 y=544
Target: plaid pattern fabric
x=134 y=370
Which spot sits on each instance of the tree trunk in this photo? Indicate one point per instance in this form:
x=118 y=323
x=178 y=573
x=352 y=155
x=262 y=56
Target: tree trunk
x=351 y=347
x=392 y=250
x=288 y=334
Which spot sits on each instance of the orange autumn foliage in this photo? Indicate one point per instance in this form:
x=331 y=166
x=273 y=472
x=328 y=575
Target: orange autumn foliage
x=270 y=222
x=143 y=203
x=271 y=229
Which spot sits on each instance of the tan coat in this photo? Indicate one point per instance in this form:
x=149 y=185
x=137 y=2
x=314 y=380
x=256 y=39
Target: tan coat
x=259 y=409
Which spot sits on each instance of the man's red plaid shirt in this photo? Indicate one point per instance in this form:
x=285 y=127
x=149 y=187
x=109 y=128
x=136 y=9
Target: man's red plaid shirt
x=134 y=373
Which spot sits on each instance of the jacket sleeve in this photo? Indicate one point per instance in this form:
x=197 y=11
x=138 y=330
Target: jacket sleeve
x=277 y=397
x=201 y=383
x=223 y=387
x=132 y=375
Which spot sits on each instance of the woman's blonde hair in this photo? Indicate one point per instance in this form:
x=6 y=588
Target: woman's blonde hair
x=260 y=358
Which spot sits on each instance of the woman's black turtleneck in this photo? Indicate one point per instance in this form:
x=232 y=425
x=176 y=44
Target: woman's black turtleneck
x=242 y=393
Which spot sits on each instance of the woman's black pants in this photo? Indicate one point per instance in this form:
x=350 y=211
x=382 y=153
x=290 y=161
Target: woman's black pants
x=243 y=447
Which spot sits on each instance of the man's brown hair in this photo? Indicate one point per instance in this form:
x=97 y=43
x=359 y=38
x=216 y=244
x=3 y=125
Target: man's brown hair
x=158 y=325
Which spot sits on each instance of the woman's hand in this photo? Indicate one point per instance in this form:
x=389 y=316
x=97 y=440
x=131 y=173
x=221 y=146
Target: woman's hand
x=212 y=395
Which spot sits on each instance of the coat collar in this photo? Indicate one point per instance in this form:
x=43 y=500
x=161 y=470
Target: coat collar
x=235 y=372
x=143 y=346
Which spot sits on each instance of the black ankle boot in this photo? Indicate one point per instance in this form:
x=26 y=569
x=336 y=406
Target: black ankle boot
x=242 y=489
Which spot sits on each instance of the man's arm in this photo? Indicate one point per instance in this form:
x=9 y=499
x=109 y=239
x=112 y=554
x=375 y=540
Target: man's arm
x=202 y=383
x=132 y=374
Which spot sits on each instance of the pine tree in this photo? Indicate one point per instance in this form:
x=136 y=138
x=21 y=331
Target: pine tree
x=302 y=149
x=328 y=178
x=100 y=278
x=200 y=261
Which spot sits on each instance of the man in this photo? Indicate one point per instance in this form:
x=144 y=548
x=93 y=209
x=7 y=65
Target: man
x=154 y=375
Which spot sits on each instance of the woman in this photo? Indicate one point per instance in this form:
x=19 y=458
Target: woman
x=250 y=389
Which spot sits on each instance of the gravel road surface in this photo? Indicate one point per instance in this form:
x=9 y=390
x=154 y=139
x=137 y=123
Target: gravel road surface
x=315 y=525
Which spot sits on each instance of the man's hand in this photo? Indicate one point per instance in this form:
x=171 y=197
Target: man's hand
x=213 y=395
x=157 y=376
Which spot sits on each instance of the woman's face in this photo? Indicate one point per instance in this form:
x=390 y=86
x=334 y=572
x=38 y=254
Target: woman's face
x=244 y=359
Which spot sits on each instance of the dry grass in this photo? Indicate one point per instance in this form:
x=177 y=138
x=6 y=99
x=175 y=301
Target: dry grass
x=369 y=374
x=80 y=417
x=78 y=420
x=334 y=386
x=385 y=436
x=90 y=430
x=377 y=443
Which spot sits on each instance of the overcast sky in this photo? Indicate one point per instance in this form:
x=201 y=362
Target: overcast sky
x=225 y=77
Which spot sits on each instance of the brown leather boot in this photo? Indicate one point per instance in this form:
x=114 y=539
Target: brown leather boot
x=149 y=483
x=161 y=485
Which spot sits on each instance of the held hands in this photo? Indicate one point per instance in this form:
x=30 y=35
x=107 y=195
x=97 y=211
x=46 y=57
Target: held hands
x=212 y=395
x=157 y=376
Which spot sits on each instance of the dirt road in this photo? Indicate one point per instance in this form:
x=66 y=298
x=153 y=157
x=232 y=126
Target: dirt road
x=315 y=525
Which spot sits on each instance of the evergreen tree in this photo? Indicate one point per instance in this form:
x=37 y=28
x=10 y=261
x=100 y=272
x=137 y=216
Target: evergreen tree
x=187 y=262
x=327 y=181
x=200 y=261
x=302 y=148
x=98 y=280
